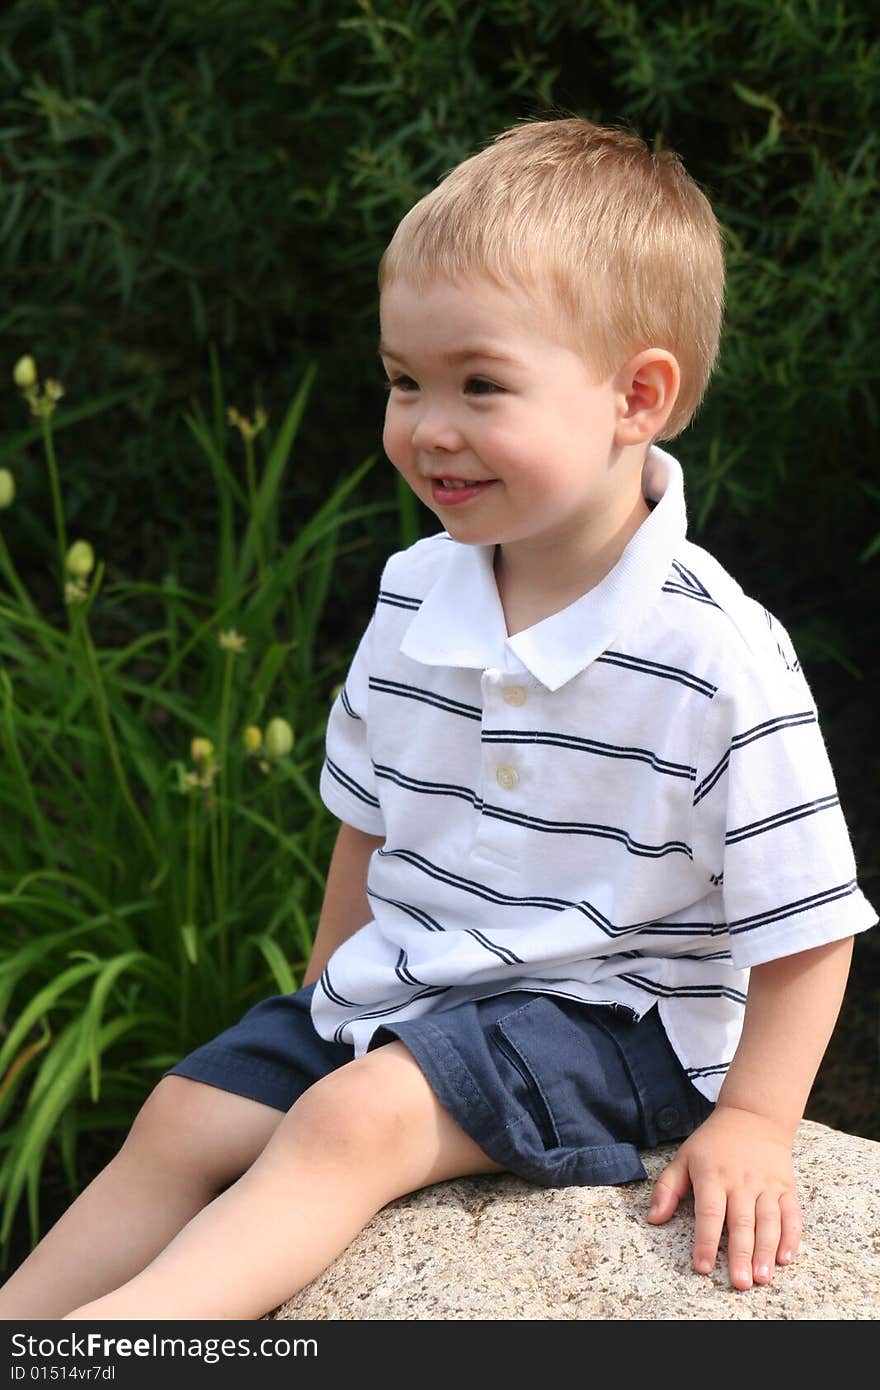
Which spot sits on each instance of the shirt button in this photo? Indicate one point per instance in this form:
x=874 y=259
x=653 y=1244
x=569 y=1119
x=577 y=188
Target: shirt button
x=506 y=776
x=513 y=695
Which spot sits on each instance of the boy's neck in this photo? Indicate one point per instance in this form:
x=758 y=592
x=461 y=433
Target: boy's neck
x=534 y=584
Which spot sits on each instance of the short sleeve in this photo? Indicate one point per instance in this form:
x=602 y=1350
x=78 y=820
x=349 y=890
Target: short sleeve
x=348 y=784
x=768 y=826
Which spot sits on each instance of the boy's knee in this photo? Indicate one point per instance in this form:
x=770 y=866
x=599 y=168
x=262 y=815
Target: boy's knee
x=353 y=1110
x=195 y=1130
x=170 y=1114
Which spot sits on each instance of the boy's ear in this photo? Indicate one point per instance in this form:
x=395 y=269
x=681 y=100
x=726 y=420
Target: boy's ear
x=647 y=387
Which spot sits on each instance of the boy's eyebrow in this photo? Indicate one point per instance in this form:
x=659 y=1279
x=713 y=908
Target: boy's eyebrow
x=484 y=351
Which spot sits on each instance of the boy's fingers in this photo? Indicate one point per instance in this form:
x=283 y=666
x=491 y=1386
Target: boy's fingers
x=668 y=1190
x=710 y=1208
x=790 y=1236
x=768 y=1230
x=741 y=1238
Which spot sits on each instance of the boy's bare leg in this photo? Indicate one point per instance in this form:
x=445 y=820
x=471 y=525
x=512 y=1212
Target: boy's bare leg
x=367 y=1133
x=187 y=1143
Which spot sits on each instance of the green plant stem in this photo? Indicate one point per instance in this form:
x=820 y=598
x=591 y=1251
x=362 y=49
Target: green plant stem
x=16 y=761
x=251 y=472
x=57 y=508
x=100 y=701
x=39 y=628
x=217 y=872
x=8 y=568
x=222 y=867
x=190 y=914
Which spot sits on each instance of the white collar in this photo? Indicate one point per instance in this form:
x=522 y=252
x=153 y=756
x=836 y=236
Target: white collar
x=461 y=621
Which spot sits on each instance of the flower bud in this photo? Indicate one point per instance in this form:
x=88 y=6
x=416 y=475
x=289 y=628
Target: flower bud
x=24 y=373
x=201 y=750
x=7 y=488
x=279 y=738
x=231 y=641
x=252 y=738
x=80 y=560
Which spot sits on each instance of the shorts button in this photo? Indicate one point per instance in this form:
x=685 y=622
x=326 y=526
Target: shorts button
x=513 y=695
x=667 y=1117
x=506 y=776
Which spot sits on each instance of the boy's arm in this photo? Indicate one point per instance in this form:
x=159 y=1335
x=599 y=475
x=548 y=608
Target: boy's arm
x=345 y=907
x=739 y=1161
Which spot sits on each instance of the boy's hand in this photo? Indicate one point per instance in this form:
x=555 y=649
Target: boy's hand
x=739 y=1165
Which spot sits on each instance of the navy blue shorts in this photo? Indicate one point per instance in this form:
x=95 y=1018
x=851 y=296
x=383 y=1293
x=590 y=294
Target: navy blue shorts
x=558 y=1092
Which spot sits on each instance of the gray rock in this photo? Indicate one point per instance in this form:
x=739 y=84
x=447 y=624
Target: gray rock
x=498 y=1248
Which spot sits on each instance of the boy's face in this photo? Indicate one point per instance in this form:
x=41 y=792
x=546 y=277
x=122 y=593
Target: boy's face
x=483 y=393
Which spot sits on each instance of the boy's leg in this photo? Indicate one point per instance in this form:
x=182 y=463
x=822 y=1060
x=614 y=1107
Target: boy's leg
x=188 y=1141
x=369 y=1132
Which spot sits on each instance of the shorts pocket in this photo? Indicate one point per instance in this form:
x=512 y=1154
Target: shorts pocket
x=519 y=1039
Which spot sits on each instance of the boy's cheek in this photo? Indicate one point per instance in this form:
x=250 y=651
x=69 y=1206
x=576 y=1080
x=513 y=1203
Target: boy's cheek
x=398 y=446
x=391 y=442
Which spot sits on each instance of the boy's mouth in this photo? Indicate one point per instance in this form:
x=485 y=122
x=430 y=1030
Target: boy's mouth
x=451 y=492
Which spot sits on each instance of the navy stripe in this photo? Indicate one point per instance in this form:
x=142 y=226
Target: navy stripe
x=717 y=1070
x=772 y=726
x=769 y=726
x=400 y=779
x=670 y=588
x=350 y=784
x=429 y=993
x=788 y=665
x=503 y=952
x=546 y=827
x=347 y=706
x=759 y=827
x=427 y=697
x=688 y=577
x=418 y=914
x=710 y=955
x=600 y=832
x=652 y=956
x=714 y=776
x=480 y=890
x=793 y=909
x=685 y=991
x=403 y=972
x=590 y=745
x=681 y=929
x=399 y=600
x=331 y=993
x=655 y=668
x=551 y=989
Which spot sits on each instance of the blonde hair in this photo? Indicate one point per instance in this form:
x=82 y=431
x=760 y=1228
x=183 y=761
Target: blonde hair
x=622 y=238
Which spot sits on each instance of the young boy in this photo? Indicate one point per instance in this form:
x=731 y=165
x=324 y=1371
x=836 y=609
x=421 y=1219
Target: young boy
x=592 y=875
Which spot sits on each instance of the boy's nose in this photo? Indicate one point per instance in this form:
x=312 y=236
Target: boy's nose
x=434 y=431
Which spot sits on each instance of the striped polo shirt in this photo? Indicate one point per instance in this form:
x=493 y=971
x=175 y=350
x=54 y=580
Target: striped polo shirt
x=629 y=803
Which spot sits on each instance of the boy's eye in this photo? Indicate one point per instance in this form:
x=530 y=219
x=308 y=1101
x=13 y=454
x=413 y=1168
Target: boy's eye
x=479 y=386
x=400 y=383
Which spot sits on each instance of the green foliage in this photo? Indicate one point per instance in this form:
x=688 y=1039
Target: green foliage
x=179 y=174
x=158 y=873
